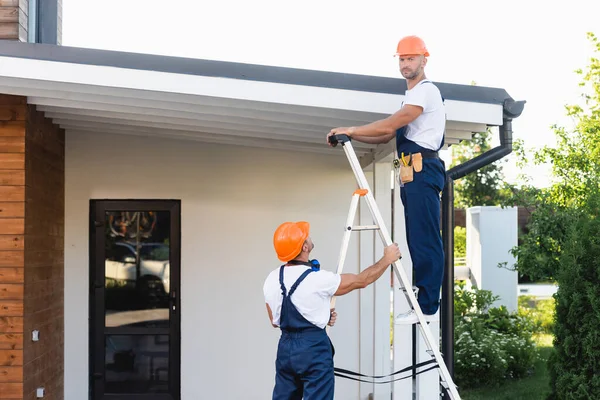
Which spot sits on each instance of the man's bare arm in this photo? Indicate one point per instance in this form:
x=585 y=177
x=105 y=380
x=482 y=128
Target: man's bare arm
x=374 y=139
x=271 y=316
x=352 y=282
x=384 y=127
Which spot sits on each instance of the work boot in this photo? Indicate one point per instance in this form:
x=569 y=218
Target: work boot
x=411 y=318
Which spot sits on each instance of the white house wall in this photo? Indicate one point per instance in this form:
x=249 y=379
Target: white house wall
x=231 y=200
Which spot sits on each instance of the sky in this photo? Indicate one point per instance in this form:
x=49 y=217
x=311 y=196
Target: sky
x=507 y=44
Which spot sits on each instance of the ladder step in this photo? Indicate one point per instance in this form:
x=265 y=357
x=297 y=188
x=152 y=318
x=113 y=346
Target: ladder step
x=364 y=228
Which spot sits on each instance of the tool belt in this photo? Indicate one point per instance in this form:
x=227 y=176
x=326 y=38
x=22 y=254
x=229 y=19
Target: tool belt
x=406 y=165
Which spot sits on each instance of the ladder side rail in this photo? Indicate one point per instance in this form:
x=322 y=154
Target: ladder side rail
x=398 y=270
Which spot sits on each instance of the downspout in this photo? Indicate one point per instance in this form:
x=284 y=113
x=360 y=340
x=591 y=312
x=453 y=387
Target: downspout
x=511 y=109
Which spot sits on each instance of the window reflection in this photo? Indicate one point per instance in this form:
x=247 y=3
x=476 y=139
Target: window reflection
x=137 y=269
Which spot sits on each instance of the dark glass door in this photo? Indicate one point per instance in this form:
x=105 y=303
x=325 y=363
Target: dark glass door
x=134 y=299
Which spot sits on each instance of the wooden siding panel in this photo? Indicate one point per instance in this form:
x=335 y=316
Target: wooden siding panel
x=11 y=291
x=12 y=128
x=12 y=242
x=12 y=161
x=11 y=391
x=9 y=14
x=12 y=193
x=12 y=100
x=12 y=178
x=11 y=210
x=12 y=144
x=11 y=357
x=9 y=31
x=12 y=226
x=11 y=374
x=13 y=111
x=12 y=275
x=11 y=341
x=12 y=258
x=11 y=324
x=11 y=308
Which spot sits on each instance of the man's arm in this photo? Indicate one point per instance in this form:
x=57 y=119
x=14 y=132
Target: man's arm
x=352 y=282
x=386 y=127
x=271 y=316
x=374 y=139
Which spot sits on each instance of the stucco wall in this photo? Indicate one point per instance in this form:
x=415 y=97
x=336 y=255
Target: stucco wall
x=232 y=200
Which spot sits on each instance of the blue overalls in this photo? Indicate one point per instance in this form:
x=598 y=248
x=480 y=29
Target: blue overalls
x=421 y=201
x=304 y=365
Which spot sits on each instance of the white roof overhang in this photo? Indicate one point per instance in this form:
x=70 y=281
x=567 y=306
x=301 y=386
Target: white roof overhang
x=234 y=110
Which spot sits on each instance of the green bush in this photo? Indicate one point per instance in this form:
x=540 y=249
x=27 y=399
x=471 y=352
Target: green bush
x=460 y=241
x=491 y=344
x=575 y=367
x=540 y=311
x=479 y=359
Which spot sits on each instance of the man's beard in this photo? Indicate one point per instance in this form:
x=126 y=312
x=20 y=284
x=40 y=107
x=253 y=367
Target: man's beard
x=411 y=75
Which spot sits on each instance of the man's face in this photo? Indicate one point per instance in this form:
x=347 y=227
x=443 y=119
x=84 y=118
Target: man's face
x=411 y=65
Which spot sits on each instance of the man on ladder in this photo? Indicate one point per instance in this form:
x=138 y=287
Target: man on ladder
x=419 y=131
x=298 y=296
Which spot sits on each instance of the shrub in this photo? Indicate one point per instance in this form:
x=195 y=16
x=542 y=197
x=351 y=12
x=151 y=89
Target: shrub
x=575 y=367
x=460 y=241
x=541 y=312
x=479 y=359
x=491 y=344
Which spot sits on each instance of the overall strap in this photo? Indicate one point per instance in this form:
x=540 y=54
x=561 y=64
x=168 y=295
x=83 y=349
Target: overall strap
x=295 y=285
x=443 y=102
x=413 y=147
x=281 y=280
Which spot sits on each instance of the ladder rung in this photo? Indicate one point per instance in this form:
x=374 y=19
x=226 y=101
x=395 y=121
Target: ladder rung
x=364 y=228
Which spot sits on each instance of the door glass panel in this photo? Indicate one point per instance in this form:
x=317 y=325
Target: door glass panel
x=137 y=269
x=137 y=364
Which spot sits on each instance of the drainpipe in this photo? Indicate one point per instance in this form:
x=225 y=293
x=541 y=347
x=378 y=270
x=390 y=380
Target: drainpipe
x=512 y=109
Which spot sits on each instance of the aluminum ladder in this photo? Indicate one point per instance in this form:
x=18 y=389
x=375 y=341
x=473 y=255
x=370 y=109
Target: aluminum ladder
x=365 y=191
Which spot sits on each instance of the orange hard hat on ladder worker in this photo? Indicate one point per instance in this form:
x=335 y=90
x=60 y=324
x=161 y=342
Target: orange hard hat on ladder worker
x=289 y=238
x=410 y=46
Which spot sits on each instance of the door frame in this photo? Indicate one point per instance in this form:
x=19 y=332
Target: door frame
x=97 y=330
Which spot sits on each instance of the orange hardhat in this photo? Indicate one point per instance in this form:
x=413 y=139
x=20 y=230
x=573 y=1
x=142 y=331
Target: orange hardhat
x=289 y=238
x=411 y=45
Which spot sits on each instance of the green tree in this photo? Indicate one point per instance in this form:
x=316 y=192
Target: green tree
x=563 y=240
x=484 y=187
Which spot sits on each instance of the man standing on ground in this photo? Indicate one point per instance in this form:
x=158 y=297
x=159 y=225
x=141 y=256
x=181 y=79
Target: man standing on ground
x=419 y=131
x=298 y=295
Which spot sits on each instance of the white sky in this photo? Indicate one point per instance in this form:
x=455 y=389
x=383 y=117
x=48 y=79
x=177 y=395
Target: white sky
x=507 y=44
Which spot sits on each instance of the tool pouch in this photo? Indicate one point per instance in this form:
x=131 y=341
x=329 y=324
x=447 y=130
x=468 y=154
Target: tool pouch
x=417 y=162
x=403 y=170
x=406 y=173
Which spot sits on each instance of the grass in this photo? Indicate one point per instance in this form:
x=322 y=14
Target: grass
x=535 y=387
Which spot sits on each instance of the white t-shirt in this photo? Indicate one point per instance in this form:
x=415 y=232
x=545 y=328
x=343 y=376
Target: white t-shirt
x=312 y=297
x=428 y=128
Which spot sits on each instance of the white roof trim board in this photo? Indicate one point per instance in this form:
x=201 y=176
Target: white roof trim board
x=269 y=107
